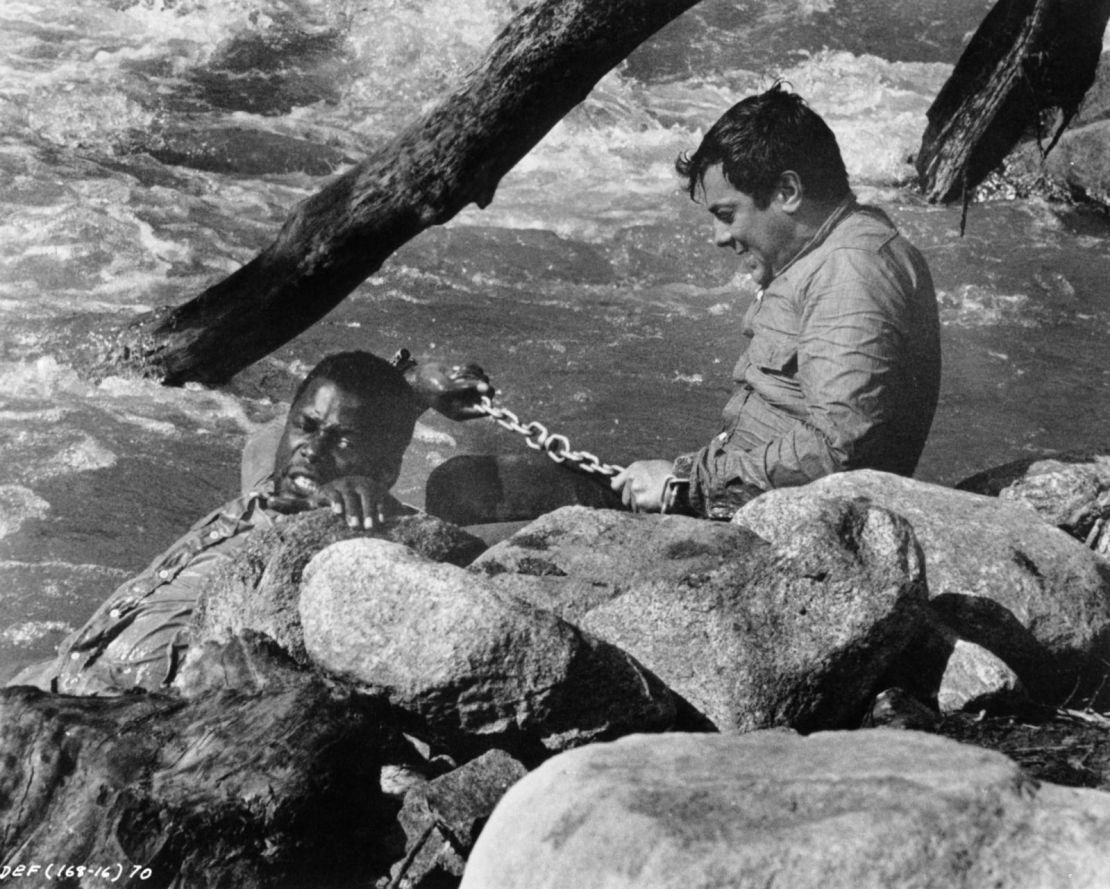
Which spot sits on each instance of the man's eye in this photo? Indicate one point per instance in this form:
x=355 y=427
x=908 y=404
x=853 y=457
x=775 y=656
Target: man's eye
x=343 y=443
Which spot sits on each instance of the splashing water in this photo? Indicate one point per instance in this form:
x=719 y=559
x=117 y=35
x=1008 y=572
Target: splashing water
x=150 y=147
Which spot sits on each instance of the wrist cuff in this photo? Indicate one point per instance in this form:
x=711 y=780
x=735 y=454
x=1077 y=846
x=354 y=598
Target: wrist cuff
x=675 y=495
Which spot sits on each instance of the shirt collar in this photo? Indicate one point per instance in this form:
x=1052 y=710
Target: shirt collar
x=834 y=218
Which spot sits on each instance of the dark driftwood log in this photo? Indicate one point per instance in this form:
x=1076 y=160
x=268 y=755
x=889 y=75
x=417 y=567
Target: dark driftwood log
x=541 y=65
x=271 y=787
x=1026 y=70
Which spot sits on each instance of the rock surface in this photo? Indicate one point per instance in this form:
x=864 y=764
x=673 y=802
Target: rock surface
x=443 y=818
x=883 y=808
x=975 y=679
x=469 y=666
x=795 y=635
x=259 y=589
x=574 y=559
x=1070 y=491
x=997 y=574
x=1078 y=168
x=953 y=674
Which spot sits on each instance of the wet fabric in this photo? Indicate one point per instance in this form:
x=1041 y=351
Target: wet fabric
x=842 y=371
x=138 y=637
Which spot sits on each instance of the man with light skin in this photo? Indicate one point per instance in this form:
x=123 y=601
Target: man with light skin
x=843 y=366
x=341 y=446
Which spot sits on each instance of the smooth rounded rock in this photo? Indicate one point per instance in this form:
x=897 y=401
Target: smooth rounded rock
x=877 y=809
x=997 y=573
x=574 y=559
x=798 y=634
x=470 y=666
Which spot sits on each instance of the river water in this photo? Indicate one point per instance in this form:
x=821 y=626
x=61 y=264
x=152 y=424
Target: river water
x=148 y=147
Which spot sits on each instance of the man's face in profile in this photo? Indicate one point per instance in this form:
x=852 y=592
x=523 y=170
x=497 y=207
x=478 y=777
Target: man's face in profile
x=333 y=432
x=761 y=237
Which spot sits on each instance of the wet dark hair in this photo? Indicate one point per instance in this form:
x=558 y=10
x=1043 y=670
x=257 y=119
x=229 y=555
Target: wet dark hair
x=361 y=372
x=371 y=377
x=760 y=138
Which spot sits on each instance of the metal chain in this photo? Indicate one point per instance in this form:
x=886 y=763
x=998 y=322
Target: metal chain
x=557 y=447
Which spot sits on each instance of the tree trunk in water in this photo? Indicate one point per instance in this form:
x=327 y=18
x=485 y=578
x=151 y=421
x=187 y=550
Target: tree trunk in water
x=270 y=783
x=1028 y=59
x=542 y=64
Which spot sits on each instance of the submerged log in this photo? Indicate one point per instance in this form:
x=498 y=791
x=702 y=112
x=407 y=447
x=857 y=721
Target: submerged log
x=542 y=64
x=1025 y=71
x=271 y=786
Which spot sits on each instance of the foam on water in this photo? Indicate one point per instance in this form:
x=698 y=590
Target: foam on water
x=17 y=504
x=133 y=401
x=619 y=328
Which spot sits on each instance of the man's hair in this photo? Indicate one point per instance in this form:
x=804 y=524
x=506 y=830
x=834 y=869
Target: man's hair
x=760 y=138
x=371 y=377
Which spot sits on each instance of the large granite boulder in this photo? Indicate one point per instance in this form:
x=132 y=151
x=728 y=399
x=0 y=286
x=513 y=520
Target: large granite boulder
x=1069 y=490
x=472 y=668
x=799 y=634
x=574 y=559
x=259 y=589
x=997 y=574
x=883 y=808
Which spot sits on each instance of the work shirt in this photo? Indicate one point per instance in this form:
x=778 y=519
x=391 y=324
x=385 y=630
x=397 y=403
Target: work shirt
x=138 y=637
x=842 y=371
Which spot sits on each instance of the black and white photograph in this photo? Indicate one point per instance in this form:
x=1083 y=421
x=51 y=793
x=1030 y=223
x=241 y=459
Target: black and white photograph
x=555 y=444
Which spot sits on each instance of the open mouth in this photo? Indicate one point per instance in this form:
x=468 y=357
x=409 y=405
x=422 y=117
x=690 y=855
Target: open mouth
x=302 y=485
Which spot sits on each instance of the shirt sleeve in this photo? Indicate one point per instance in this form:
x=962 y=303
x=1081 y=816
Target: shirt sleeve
x=257 y=462
x=846 y=360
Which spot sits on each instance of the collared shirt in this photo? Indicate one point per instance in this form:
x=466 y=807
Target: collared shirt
x=137 y=637
x=842 y=371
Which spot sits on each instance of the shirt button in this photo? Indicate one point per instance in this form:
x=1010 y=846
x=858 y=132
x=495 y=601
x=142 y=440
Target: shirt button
x=213 y=535
x=164 y=574
x=74 y=656
x=114 y=614
x=723 y=437
x=136 y=587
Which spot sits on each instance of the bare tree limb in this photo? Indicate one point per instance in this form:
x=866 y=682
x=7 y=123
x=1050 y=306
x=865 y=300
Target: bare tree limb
x=1025 y=71
x=542 y=64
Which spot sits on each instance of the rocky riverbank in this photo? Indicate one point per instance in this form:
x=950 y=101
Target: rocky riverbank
x=1076 y=169
x=690 y=702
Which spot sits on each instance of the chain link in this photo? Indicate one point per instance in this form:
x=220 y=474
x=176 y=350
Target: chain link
x=557 y=447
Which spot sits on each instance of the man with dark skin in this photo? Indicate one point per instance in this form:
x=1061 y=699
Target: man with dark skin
x=341 y=446
x=843 y=366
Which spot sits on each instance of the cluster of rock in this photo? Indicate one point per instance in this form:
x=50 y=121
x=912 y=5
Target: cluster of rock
x=355 y=705
x=1078 y=166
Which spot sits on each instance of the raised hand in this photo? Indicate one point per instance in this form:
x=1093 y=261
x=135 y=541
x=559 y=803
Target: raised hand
x=454 y=391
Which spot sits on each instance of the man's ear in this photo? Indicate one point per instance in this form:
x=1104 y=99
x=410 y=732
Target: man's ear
x=789 y=192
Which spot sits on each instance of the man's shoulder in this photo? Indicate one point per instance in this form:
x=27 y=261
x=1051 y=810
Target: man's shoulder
x=868 y=243
x=866 y=228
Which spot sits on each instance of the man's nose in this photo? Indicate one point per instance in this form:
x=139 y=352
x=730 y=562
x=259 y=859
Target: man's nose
x=722 y=234
x=313 y=447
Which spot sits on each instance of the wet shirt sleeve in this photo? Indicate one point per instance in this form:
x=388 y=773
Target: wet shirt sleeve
x=136 y=638
x=822 y=400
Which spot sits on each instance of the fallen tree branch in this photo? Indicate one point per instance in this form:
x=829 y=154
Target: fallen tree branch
x=542 y=64
x=1025 y=71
